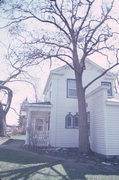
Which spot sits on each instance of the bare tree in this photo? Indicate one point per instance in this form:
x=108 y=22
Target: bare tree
x=70 y=31
x=29 y=80
x=16 y=68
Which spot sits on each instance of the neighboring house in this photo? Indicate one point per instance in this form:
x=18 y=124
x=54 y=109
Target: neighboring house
x=55 y=122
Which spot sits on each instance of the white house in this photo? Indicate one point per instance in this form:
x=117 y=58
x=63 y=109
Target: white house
x=54 y=122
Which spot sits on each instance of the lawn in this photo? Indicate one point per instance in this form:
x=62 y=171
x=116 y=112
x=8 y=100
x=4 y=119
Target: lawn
x=19 y=137
x=30 y=166
x=3 y=139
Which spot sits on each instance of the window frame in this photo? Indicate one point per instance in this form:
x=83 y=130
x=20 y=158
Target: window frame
x=69 y=96
x=75 y=116
x=109 y=91
x=72 y=121
x=66 y=120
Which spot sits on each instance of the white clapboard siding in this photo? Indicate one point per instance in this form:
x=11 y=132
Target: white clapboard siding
x=59 y=135
x=112 y=128
x=96 y=105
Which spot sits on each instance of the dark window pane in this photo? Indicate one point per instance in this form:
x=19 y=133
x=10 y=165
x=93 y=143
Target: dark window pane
x=76 y=121
x=72 y=92
x=71 y=88
x=69 y=121
x=109 y=85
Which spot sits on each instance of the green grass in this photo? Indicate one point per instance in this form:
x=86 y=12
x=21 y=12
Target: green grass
x=3 y=139
x=17 y=165
x=20 y=137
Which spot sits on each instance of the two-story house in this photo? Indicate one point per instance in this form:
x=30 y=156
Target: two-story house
x=55 y=121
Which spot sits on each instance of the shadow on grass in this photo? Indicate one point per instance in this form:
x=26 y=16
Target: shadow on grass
x=80 y=172
x=19 y=157
x=33 y=172
x=33 y=166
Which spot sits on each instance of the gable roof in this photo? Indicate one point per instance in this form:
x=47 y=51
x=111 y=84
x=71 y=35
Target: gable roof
x=57 y=71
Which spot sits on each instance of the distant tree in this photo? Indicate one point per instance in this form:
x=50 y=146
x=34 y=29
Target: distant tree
x=70 y=31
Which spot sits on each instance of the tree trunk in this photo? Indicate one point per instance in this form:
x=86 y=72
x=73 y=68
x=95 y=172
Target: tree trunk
x=3 y=112
x=84 y=146
x=2 y=122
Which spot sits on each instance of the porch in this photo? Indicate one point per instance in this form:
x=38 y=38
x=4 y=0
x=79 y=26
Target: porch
x=38 y=122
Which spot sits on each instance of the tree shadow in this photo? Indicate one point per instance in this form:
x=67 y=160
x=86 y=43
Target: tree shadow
x=30 y=165
x=19 y=157
x=38 y=172
x=80 y=171
x=33 y=171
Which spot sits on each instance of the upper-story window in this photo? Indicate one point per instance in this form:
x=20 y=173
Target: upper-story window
x=71 y=88
x=109 y=85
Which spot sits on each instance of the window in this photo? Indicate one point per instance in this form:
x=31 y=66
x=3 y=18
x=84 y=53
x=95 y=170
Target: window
x=69 y=121
x=109 y=85
x=71 y=88
x=76 y=121
x=72 y=121
x=39 y=125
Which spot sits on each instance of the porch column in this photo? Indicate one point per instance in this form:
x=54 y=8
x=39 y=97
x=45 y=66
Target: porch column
x=28 y=128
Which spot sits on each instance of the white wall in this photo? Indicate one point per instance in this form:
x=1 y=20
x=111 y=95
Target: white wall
x=59 y=135
x=104 y=123
x=112 y=124
x=96 y=106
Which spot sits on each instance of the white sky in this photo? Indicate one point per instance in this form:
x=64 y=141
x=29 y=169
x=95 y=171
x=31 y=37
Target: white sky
x=23 y=90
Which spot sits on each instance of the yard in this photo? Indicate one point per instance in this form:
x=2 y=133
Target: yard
x=4 y=139
x=25 y=165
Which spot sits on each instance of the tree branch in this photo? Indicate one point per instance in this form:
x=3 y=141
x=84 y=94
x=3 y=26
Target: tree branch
x=101 y=75
x=9 y=99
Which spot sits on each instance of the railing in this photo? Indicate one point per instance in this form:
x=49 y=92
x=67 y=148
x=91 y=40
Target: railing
x=43 y=139
x=39 y=138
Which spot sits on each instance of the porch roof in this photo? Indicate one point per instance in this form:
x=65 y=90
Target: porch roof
x=40 y=106
x=41 y=103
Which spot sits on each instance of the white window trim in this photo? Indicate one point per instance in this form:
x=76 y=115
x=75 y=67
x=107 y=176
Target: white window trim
x=68 y=95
